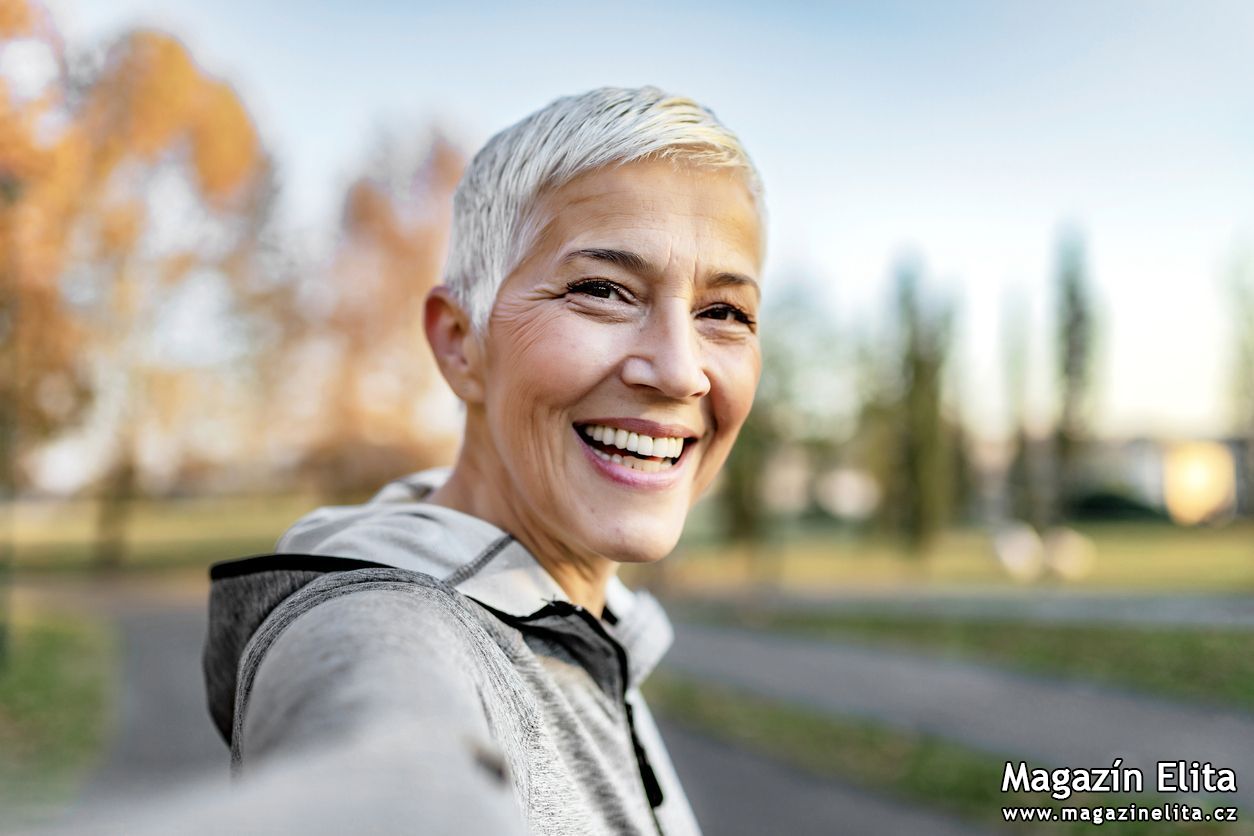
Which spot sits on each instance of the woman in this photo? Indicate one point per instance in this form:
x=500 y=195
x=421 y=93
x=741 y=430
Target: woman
x=467 y=628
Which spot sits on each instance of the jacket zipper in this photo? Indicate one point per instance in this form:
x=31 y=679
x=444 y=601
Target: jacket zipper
x=652 y=788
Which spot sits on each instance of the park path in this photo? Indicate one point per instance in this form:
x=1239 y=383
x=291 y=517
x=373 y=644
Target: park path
x=164 y=735
x=165 y=743
x=736 y=793
x=1028 y=604
x=163 y=738
x=1052 y=723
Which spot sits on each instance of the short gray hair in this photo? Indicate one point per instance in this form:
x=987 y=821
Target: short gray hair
x=568 y=137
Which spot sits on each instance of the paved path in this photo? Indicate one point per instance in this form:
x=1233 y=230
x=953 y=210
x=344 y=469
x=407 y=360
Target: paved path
x=736 y=793
x=164 y=738
x=164 y=734
x=164 y=741
x=1027 y=604
x=1052 y=723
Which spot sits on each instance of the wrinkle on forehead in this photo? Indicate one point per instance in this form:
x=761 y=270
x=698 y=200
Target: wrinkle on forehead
x=614 y=202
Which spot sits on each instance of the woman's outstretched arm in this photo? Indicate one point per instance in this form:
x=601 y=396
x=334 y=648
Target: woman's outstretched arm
x=373 y=686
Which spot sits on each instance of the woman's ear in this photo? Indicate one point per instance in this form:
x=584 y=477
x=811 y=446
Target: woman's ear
x=456 y=348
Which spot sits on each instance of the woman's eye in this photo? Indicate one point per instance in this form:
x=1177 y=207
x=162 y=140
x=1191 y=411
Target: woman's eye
x=599 y=288
x=728 y=313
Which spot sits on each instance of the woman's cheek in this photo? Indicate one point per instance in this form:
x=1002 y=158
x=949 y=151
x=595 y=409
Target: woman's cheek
x=542 y=351
x=582 y=352
x=737 y=369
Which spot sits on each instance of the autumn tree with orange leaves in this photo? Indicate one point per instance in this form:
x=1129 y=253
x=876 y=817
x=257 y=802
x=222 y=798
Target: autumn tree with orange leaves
x=43 y=383
x=176 y=187
x=117 y=190
x=375 y=402
x=130 y=184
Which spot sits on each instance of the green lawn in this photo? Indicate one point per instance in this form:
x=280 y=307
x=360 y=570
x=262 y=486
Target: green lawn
x=56 y=691
x=916 y=768
x=1212 y=666
x=1145 y=557
x=1131 y=556
x=170 y=534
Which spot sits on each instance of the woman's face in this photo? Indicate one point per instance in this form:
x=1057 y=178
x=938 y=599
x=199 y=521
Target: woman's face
x=635 y=311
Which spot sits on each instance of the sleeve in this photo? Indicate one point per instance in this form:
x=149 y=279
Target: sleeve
x=371 y=690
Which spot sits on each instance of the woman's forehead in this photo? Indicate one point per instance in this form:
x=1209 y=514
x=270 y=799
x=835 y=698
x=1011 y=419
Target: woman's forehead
x=655 y=209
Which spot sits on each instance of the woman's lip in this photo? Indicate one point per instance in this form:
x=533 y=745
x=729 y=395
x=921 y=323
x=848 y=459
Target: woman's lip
x=634 y=478
x=642 y=426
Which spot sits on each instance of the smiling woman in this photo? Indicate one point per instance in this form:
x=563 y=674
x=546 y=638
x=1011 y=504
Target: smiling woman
x=464 y=634
x=622 y=315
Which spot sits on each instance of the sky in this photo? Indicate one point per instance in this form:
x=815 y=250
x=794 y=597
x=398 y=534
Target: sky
x=967 y=134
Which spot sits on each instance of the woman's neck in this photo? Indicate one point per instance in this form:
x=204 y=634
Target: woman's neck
x=583 y=577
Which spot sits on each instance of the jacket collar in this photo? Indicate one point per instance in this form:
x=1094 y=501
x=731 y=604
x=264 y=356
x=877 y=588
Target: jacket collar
x=483 y=562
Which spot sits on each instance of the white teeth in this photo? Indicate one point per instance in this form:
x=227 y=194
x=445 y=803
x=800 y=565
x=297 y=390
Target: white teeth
x=643 y=465
x=638 y=443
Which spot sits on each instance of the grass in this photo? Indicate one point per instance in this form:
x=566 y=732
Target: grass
x=55 y=693
x=1206 y=665
x=57 y=536
x=1149 y=557
x=169 y=534
x=916 y=768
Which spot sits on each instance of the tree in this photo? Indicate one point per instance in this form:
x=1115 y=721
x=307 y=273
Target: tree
x=1075 y=354
x=375 y=402
x=173 y=189
x=798 y=400
x=925 y=467
x=43 y=384
x=1025 y=495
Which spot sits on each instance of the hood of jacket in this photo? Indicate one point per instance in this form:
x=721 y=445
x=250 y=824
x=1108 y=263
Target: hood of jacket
x=397 y=528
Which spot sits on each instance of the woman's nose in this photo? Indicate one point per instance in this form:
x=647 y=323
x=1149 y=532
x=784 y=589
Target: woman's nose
x=668 y=356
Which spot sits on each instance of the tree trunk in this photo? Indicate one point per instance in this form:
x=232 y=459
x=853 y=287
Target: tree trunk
x=8 y=538
x=10 y=362
x=113 y=514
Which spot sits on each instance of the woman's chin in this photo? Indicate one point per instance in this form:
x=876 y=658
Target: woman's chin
x=640 y=548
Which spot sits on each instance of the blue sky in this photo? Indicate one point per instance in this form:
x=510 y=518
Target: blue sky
x=964 y=132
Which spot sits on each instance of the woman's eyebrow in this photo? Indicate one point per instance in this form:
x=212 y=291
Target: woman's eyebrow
x=626 y=259
x=638 y=264
x=735 y=280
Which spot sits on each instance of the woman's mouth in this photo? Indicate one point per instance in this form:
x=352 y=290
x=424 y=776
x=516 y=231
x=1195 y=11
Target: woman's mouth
x=642 y=453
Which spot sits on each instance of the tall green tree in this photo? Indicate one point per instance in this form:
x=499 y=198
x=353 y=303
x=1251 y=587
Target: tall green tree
x=925 y=470
x=1075 y=342
x=797 y=401
x=1025 y=495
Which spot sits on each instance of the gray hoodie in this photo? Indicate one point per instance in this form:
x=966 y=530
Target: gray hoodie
x=422 y=634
